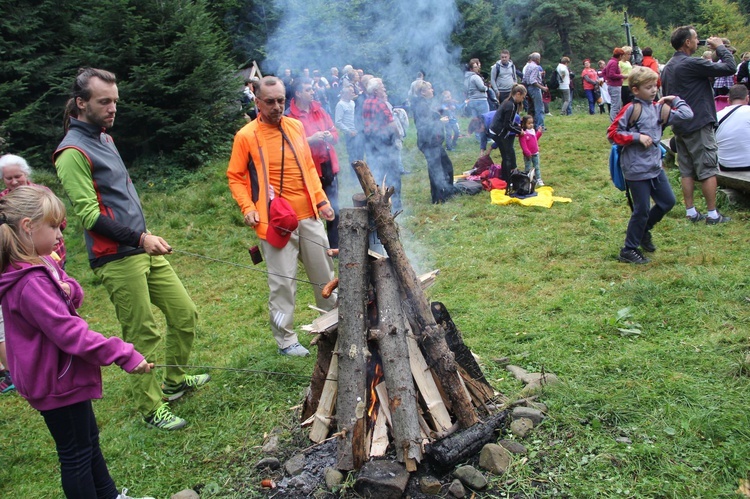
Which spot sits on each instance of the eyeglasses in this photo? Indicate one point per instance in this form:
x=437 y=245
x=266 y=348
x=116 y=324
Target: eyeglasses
x=271 y=102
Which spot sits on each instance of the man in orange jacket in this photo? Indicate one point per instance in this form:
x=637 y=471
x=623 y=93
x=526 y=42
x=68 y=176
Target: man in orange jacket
x=273 y=178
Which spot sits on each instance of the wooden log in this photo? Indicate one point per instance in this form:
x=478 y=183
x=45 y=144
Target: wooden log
x=379 y=435
x=394 y=352
x=352 y=330
x=465 y=443
x=322 y=422
x=427 y=387
x=430 y=335
x=325 y=344
x=464 y=357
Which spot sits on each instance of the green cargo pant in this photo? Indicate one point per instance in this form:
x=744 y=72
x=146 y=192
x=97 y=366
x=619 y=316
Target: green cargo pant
x=134 y=283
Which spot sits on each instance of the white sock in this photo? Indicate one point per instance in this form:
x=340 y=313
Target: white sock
x=713 y=214
x=691 y=212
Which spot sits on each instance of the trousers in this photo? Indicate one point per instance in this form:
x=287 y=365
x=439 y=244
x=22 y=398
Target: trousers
x=644 y=215
x=134 y=283
x=83 y=470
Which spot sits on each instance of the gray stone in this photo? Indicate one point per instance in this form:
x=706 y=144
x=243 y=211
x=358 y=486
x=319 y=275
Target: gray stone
x=270 y=463
x=539 y=406
x=494 y=458
x=521 y=427
x=430 y=485
x=334 y=479
x=185 y=494
x=271 y=446
x=623 y=440
x=382 y=480
x=513 y=447
x=535 y=415
x=471 y=477
x=295 y=464
x=457 y=489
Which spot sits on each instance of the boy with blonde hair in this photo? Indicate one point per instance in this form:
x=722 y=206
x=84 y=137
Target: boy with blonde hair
x=638 y=128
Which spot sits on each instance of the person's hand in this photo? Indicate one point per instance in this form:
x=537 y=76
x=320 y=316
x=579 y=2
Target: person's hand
x=327 y=213
x=645 y=140
x=155 y=245
x=667 y=98
x=65 y=286
x=143 y=368
x=318 y=137
x=444 y=119
x=486 y=152
x=353 y=133
x=252 y=218
x=714 y=41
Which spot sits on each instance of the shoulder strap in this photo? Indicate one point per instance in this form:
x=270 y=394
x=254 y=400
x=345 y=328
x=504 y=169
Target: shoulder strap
x=722 y=120
x=636 y=114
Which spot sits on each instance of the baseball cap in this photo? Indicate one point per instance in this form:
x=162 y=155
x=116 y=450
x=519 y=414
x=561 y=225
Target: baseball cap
x=282 y=222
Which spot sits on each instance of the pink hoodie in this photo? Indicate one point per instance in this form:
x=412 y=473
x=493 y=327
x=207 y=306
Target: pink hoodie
x=529 y=142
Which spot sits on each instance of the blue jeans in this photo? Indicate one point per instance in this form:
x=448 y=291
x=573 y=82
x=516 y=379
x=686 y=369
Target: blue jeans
x=536 y=97
x=644 y=215
x=477 y=108
x=530 y=162
x=590 y=98
x=83 y=470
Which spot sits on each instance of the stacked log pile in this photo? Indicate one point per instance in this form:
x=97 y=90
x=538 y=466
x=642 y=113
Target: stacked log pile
x=388 y=361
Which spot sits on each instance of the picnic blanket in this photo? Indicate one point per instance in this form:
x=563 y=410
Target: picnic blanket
x=543 y=198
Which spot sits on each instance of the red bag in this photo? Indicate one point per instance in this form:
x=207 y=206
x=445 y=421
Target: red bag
x=494 y=183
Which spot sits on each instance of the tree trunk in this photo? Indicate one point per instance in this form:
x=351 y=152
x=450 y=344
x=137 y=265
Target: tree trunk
x=394 y=352
x=352 y=329
x=430 y=335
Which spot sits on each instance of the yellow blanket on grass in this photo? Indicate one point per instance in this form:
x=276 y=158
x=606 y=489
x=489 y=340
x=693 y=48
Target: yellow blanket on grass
x=544 y=198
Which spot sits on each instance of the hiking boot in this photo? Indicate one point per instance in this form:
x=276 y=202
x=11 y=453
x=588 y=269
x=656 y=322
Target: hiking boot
x=172 y=393
x=6 y=383
x=163 y=419
x=295 y=350
x=647 y=244
x=697 y=217
x=632 y=256
x=718 y=220
x=124 y=495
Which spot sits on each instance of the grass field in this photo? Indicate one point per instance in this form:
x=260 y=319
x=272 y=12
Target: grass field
x=539 y=286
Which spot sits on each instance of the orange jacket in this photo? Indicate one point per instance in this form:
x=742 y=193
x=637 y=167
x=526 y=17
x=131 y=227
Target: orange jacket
x=248 y=171
x=650 y=62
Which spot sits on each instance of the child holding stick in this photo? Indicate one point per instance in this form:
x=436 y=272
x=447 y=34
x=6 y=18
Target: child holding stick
x=54 y=357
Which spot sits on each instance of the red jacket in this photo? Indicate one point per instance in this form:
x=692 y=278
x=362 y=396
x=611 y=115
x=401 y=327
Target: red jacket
x=612 y=75
x=650 y=62
x=317 y=120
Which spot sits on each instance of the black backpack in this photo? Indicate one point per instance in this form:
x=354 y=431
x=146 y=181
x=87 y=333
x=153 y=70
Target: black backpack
x=520 y=183
x=555 y=80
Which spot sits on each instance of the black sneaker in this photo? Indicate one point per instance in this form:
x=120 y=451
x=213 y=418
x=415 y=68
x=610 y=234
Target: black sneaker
x=647 y=244
x=632 y=256
x=718 y=220
x=697 y=217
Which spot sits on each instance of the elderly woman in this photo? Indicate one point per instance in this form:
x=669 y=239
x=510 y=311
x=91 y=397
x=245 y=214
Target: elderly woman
x=15 y=172
x=430 y=138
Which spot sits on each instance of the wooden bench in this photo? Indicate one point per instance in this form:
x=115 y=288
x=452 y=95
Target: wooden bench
x=734 y=180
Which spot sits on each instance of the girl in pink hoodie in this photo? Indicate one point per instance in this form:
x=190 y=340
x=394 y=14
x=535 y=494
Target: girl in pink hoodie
x=54 y=357
x=529 y=140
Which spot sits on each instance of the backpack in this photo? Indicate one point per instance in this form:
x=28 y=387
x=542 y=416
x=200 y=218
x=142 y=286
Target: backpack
x=555 y=80
x=615 y=170
x=520 y=183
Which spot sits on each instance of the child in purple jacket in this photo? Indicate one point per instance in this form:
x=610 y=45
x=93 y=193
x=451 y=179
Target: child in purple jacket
x=54 y=357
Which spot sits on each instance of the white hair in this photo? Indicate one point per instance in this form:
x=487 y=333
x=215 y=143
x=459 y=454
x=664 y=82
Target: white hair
x=12 y=159
x=373 y=84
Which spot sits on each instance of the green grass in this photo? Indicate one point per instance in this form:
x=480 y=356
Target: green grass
x=539 y=286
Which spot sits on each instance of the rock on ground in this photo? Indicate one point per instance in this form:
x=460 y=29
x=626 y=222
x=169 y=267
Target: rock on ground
x=186 y=494
x=382 y=480
x=457 y=489
x=521 y=427
x=430 y=485
x=535 y=415
x=471 y=477
x=295 y=464
x=494 y=458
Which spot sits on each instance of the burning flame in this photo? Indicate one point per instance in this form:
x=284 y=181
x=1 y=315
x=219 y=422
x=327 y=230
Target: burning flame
x=372 y=407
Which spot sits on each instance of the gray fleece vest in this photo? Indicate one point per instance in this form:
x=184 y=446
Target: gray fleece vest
x=117 y=197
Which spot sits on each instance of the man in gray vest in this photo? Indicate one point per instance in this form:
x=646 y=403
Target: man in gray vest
x=122 y=253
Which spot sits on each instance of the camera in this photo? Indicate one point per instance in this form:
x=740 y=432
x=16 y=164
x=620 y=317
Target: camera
x=701 y=42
